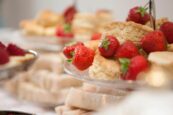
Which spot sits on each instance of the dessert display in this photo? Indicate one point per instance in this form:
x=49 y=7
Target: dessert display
x=64 y=26
x=46 y=79
x=124 y=51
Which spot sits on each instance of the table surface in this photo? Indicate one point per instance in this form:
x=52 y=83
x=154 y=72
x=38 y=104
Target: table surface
x=9 y=102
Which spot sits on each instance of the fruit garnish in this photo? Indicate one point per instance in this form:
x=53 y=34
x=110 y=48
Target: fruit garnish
x=64 y=31
x=139 y=15
x=2 y=45
x=83 y=57
x=154 y=41
x=167 y=29
x=127 y=50
x=68 y=50
x=108 y=46
x=14 y=50
x=96 y=36
x=137 y=64
x=4 y=56
x=69 y=13
x=124 y=62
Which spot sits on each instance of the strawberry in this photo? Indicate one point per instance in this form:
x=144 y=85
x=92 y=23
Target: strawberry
x=108 y=46
x=127 y=50
x=68 y=51
x=139 y=15
x=2 y=45
x=96 y=36
x=69 y=13
x=167 y=29
x=153 y=41
x=83 y=57
x=14 y=50
x=4 y=56
x=136 y=65
x=64 y=31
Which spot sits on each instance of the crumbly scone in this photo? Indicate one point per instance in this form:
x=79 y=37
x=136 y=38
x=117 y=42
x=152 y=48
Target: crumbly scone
x=31 y=28
x=92 y=44
x=159 y=22
x=104 y=17
x=49 y=18
x=104 y=69
x=83 y=26
x=124 y=31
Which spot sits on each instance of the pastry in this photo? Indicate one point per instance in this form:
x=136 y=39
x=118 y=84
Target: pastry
x=48 y=18
x=104 y=69
x=127 y=31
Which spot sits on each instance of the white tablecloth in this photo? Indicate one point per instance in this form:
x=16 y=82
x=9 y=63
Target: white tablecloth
x=9 y=102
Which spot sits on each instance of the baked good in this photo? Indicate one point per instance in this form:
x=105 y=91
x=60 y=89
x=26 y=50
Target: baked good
x=104 y=69
x=49 y=18
x=127 y=31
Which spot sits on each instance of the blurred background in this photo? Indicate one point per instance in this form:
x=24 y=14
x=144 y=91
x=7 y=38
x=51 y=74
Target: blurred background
x=13 y=11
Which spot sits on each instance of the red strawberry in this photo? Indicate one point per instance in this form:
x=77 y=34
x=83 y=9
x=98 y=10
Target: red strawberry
x=2 y=45
x=127 y=50
x=96 y=36
x=69 y=13
x=153 y=41
x=14 y=50
x=167 y=29
x=69 y=50
x=137 y=64
x=4 y=56
x=64 y=31
x=138 y=15
x=83 y=57
x=108 y=46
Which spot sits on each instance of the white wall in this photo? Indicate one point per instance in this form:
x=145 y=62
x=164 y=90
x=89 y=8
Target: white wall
x=16 y=10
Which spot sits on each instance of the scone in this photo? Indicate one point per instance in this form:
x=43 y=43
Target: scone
x=83 y=26
x=48 y=18
x=127 y=31
x=31 y=28
x=104 y=69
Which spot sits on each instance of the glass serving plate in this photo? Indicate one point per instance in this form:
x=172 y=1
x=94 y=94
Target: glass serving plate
x=10 y=71
x=111 y=84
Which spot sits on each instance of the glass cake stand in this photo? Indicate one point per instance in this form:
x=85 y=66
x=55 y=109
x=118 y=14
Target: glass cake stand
x=110 y=84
